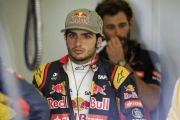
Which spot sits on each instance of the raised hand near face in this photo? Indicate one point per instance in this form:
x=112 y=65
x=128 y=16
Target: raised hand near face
x=115 y=50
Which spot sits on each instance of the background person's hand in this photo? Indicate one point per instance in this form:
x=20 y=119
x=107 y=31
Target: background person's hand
x=114 y=50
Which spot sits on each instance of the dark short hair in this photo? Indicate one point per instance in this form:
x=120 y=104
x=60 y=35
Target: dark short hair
x=112 y=7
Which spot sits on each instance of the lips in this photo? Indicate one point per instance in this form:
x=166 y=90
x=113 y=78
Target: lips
x=78 y=51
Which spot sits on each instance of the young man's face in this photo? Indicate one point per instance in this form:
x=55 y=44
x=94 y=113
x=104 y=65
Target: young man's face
x=117 y=25
x=81 y=45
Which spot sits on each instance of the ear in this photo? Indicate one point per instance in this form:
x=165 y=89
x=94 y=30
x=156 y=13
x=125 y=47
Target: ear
x=131 y=23
x=99 y=42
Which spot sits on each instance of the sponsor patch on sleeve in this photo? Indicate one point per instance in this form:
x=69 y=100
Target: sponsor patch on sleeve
x=39 y=74
x=133 y=103
x=120 y=75
x=137 y=114
x=156 y=76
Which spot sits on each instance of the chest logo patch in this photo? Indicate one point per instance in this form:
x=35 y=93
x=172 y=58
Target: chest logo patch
x=97 y=89
x=59 y=88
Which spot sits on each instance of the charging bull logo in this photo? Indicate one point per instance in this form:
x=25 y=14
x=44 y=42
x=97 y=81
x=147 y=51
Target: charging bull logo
x=81 y=14
x=97 y=89
x=74 y=104
x=130 y=88
x=83 y=104
x=59 y=88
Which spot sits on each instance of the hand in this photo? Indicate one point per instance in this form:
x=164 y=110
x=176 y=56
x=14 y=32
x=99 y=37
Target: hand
x=115 y=50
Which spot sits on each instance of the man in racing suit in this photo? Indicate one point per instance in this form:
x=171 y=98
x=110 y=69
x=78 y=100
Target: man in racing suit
x=118 y=22
x=19 y=100
x=83 y=86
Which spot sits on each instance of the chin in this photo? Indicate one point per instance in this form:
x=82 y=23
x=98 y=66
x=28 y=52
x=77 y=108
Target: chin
x=78 y=57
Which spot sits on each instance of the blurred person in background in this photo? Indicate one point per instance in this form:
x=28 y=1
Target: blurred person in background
x=19 y=100
x=118 y=23
x=174 y=112
x=83 y=86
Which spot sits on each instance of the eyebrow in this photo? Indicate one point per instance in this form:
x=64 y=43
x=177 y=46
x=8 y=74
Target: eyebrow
x=88 y=33
x=110 y=25
x=71 y=32
x=123 y=23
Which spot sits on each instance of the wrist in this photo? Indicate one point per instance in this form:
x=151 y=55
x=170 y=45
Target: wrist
x=122 y=63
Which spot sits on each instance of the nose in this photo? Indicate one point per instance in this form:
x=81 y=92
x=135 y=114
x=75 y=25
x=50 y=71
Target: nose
x=78 y=41
x=118 y=31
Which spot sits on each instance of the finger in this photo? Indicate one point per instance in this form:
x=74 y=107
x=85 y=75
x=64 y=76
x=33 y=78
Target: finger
x=107 y=49
x=113 y=41
x=116 y=40
x=110 y=45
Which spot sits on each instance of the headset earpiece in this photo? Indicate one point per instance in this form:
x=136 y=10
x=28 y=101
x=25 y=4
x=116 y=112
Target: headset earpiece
x=98 y=42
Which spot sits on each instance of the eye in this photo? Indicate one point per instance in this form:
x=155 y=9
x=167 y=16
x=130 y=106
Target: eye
x=72 y=35
x=110 y=27
x=86 y=36
x=122 y=25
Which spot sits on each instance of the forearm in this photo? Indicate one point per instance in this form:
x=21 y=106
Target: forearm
x=149 y=94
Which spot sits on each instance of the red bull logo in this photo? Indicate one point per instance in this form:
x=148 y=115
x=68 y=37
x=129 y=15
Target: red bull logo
x=81 y=14
x=97 y=89
x=104 y=105
x=74 y=104
x=84 y=105
x=76 y=14
x=59 y=88
x=130 y=88
x=127 y=96
x=80 y=17
x=54 y=104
